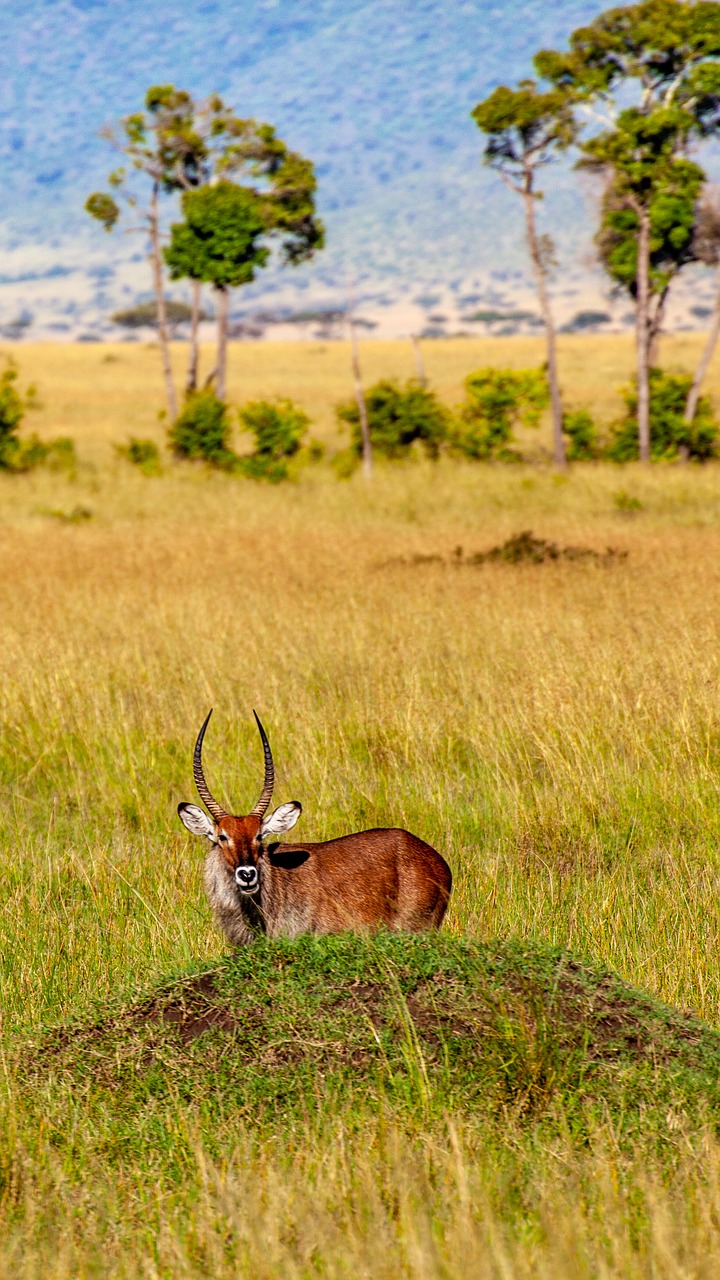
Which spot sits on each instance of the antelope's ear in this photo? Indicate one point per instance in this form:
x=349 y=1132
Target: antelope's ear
x=196 y=820
x=281 y=820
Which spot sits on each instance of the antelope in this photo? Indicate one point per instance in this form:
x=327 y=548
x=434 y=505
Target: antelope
x=383 y=877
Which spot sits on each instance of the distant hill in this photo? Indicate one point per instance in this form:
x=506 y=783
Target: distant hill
x=377 y=92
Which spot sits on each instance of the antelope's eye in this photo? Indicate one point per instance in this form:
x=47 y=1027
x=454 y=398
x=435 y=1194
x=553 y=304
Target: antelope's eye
x=223 y=837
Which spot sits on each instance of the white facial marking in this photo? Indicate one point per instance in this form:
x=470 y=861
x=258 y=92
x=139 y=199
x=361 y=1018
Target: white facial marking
x=246 y=879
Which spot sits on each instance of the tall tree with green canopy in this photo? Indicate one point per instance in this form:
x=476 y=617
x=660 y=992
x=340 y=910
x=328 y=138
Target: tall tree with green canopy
x=235 y=147
x=672 y=239
x=650 y=73
x=229 y=227
x=163 y=144
x=219 y=243
x=181 y=145
x=648 y=234
x=526 y=128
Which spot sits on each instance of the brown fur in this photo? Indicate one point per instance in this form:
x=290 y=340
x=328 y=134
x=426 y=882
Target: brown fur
x=383 y=877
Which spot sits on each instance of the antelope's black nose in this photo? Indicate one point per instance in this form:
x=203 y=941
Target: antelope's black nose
x=246 y=877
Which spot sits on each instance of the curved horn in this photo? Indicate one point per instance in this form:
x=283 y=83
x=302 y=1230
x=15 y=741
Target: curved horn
x=204 y=792
x=269 y=783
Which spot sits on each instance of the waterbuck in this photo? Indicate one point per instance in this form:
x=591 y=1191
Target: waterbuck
x=362 y=881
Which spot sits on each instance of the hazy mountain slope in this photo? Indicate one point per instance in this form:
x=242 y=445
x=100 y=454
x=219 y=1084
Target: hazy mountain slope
x=378 y=92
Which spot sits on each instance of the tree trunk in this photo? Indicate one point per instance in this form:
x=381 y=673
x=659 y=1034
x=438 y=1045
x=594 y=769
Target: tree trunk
x=194 y=354
x=706 y=357
x=655 y=324
x=541 y=283
x=156 y=260
x=367 y=455
x=223 y=307
x=642 y=328
x=419 y=365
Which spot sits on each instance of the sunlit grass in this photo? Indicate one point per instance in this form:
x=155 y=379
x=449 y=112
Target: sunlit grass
x=553 y=729
x=103 y=392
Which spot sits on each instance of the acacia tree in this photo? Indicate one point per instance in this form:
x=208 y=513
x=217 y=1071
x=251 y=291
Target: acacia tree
x=526 y=128
x=229 y=227
x=163 y=144
x=222 y=144
x=662 y=52
x=180 y=144
x=672 y=214
x=219 y=243
x=649 y=180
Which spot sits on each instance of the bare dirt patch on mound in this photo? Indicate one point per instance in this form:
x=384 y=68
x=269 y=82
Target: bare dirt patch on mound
x=395 y=1021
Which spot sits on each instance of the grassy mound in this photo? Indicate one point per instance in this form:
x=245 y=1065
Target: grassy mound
x=435 y=1024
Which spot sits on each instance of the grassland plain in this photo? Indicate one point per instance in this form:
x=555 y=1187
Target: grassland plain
x=553 y=728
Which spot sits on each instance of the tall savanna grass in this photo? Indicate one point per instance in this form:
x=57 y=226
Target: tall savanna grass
x=554 y=729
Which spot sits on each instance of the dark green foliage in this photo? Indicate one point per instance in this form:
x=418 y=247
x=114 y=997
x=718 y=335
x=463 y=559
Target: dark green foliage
x=666 y=50
x=143 y=454
x=498 y=401
x=202 y=431
x=670 y=436
x=163 y=142
x=12 y=410
x=524 y=124
x=662 y=44
x=655 y=65
x=668 y=186
x=417 y=1025
x=227 y=224
x=219 y=241
x=399 y=417
x=23 y=455
x=289 y=199
x=582 y=439
x=103 y=208
x=278 y=428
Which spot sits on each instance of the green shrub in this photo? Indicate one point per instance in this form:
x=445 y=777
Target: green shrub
x=202 y=431
x=582 y=438
x=398 y=418
x=23 y=455
x=143 y=454
x=278 y=427
x=15 y=454
x=498 y=401
x=669 y=433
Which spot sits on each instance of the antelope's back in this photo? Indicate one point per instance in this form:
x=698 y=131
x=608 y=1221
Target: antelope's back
x=385 y=876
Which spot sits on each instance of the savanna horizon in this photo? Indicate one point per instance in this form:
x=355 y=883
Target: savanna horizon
x=552 y=729
x=100 y=392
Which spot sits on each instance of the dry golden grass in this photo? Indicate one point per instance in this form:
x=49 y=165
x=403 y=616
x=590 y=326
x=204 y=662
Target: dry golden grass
x=554 y=729
x=103 y=392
